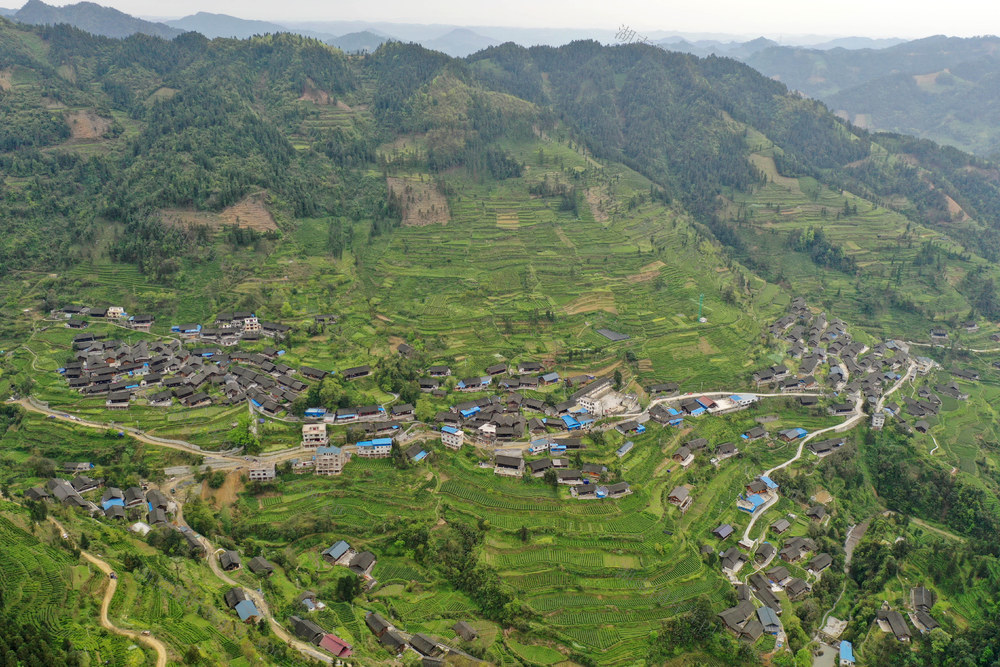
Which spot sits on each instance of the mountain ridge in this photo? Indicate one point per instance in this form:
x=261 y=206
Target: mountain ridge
x=93 y=18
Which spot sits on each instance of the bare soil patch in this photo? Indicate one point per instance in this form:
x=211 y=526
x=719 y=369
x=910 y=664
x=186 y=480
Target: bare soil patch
x=87 y=125
x=646 y=365
x=251 y=212
x=589 y=303
x=6 y=80
x=648 y=272
x=422 y=203
x=705 y=347
x=163 y=93
x=766 y=164
x=226 y=494
x=310 y=93
x=823 y=496
x=508 y=220
x=957 y=212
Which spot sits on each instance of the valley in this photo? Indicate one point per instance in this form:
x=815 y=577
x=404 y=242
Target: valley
x=733 y=328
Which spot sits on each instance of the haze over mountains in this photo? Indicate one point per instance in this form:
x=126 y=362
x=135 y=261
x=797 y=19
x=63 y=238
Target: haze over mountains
x=940 y=88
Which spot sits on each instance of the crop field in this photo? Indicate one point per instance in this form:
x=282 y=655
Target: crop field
x=39 y=584
x=883 y=243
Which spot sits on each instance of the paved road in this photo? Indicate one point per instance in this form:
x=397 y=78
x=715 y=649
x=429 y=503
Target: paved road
x=156 y=644
x=62 y=415
x=857 y=415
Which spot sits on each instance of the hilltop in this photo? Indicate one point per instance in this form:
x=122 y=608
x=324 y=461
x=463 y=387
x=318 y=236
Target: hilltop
x=91 y=17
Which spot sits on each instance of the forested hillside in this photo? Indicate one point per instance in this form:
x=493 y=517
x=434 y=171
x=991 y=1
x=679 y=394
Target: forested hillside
x=125 y=129
x=939 y=88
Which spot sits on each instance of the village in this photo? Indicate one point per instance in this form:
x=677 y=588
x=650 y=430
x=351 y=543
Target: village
x=520 y=435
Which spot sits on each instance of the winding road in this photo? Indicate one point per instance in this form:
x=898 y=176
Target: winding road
x=847 y=424
x=109 y=593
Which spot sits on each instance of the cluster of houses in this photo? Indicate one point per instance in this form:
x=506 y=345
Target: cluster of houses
x=430 y=650
x=244 y=606
x=165 y=372
x=764 y=585
x=77 y=317
x=132 y=503
x=855 y=371
x=585 y=482
x=360 y=563
x=893 y=621
x=696 y=406
x=312 y=633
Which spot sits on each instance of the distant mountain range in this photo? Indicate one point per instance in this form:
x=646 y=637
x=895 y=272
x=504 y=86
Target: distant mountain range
x=93 y=18
x=223 y=25
x=941 y=88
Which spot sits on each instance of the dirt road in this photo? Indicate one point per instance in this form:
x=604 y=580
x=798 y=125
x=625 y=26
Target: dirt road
x=109 y=593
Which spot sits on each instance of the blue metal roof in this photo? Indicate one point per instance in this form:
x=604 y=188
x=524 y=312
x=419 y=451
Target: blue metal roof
x=382 y=442
x=550 y=377
x=246 y=609
x=449 y=429
x=771 y=484
x=846 y=651
x=328 y=450
x=315 y=412
x=337 y=550
x=113 y=501
x=420 y=456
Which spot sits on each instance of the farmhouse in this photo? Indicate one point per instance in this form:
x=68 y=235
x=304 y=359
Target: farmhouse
x=330 y=460
x=681 y=497
x=452 y=437
x=379 y=448
x=570 y=477
x=684 y=456
x=336 y=552
x=356 y=372
x=416 y=452
x=261 y=472
x=508 y=465
x=247 y=611
x=765 y=552
x=234 y=596
x=259 y=565
x=736 y=617
x=229 y=560
x=307 y=630
x=896 y=622
x=819 y=563
x=723 y=531
x=465 y=631
x=363 y=563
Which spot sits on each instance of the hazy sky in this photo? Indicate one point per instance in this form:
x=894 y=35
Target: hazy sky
x=875 y=18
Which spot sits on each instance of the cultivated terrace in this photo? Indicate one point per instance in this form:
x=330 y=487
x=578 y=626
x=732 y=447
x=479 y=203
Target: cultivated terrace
x=580 y=355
